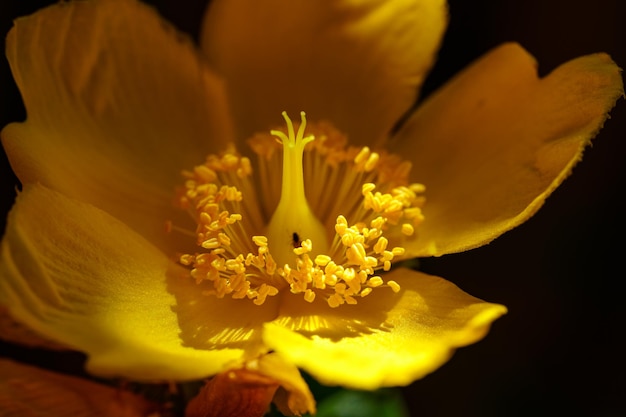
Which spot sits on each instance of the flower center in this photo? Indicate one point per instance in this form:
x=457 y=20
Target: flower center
x=259 y=233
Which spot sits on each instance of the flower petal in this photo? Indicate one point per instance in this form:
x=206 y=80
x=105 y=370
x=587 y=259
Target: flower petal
x=74 y=274
x=294 y=395
x=385 y=339
x=233 y=393
x=118 y=104
x=26 y=391
x=249 y=390
x=15 y=332
x=492 y=144
x=358 y=64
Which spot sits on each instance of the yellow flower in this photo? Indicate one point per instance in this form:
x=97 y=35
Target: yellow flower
x=119 y=104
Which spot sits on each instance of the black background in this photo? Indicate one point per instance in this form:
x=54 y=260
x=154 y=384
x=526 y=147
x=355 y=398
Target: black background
x=560 y=350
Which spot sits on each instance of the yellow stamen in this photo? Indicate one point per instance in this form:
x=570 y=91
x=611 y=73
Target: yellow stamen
x=255 y=241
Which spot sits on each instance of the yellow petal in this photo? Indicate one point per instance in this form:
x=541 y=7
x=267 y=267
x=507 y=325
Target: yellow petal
x=293 y=396
x=493 y=143
x=385 y=339
x=118 y=104
x=358 y=64
x=26 y=391
x=75 y=275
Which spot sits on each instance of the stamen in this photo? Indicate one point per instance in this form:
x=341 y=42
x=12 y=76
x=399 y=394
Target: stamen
x=333 y=242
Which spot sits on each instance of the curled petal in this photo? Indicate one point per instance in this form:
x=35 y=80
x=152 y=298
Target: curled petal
x=384 y=340
x=494 y=142
x=248 y=391
x=293 y=396
x=234 y=393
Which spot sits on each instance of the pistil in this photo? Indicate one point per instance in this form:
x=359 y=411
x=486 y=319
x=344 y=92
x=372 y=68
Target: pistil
x=293 y=222
x=368 y=206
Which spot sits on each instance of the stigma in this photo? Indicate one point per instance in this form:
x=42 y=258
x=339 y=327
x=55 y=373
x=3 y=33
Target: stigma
x=309 y=215
x=293 y=220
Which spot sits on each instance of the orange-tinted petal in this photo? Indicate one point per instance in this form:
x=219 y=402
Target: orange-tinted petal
x=26 y=391
x=294 y=396
x=493 y=143
x=76 y=275
x=234 y=393
x=385 y=339
x=249 y=390
x=118 y=104
x=358 y=64
x=15 y=332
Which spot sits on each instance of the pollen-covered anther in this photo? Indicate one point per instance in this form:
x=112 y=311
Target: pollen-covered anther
x=261 y=230
x=366 y=160
x=260 y=241
x=322 y=260
x=395 y=287
x=306 y=246
x=375 y=282
x=263 y=292
x=407 y=229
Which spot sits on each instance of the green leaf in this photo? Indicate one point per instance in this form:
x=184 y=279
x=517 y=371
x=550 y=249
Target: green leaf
x=345 y=403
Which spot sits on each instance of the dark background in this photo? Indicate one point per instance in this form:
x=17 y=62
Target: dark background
x=560 y=350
